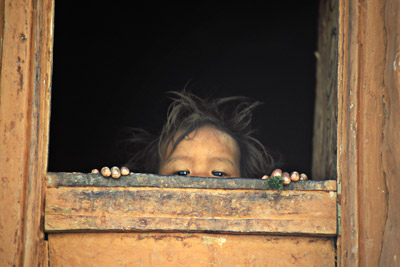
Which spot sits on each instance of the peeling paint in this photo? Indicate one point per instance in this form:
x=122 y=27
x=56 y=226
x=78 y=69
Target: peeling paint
x=395 y=62
x=317 y=55
x=212 y=240
x=339 y=219
x=370 y=243
x=58 y=210
x=23 y=37
x=352 y=126
x=384 y=106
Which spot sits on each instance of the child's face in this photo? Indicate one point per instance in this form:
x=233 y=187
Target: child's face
x=206 y=152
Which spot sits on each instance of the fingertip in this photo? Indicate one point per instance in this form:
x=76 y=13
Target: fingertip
x=294 y=176
x=286 y=178
x=124 y=171
x=105 y=171
x=303 y=177
x=115 y=172
x=276 y=172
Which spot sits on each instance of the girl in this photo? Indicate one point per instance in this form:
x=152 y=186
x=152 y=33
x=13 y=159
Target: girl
x=203 y=137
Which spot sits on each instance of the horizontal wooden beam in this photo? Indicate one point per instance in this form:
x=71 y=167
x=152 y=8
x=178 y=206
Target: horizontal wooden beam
x=150 y=180
x=188 y=249
x=190 y=209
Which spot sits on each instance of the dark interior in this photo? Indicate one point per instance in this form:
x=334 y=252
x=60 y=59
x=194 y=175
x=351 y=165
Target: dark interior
x=113 y=65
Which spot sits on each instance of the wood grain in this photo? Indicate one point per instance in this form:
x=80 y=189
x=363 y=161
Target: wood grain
x=175 y=209
x=26 y=59
x=324 y=156
x=162 y=181
x=390 y=249
x=368 y=133
x=188 y=249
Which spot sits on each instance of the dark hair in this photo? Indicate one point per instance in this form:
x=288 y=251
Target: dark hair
x=187 y=113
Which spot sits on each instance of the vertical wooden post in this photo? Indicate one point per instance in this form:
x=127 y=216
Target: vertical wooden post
x=26 y=60
x=325 y=118
x=390 y=249
x=369 y=132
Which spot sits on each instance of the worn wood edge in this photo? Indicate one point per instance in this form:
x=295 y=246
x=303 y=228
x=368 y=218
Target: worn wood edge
x=41 y=67
x=146 y=208
x=26 y=41
x=390 y=249
x=347 y=161
x=58 y=179
x=194 y=225
x=2 y=22
x=189 y=249
x=44 y=259
x=324 y=154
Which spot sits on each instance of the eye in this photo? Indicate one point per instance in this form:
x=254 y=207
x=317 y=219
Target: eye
x=219 y=174
x=182 y=173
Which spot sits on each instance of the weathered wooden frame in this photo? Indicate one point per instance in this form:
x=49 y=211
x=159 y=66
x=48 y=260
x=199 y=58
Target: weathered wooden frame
x=146 y=202
x=368 y=132
x=357 y=125
x=190 y=220
x=368 y=129
x=26 y=29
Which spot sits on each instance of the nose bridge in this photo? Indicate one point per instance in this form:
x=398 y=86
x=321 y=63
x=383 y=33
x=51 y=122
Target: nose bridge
x=200 y=168
x=202 y=173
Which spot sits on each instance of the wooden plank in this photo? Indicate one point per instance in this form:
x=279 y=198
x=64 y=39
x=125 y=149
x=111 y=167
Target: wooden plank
x=390 y=175
x=371 y=119
x=44 y=259
x=2 y=2
x=175 y=209
x=368 y=133
x=347 y=137
x=26 y=44
x=324 y=156
x=163 y=181
x=188 y=249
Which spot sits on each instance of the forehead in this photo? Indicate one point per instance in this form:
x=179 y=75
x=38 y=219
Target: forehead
x=208 y=141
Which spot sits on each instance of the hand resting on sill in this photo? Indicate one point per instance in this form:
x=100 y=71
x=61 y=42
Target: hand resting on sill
x=294 y=176
x=203 y=138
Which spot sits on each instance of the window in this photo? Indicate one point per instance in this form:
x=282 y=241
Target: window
x=115 y=64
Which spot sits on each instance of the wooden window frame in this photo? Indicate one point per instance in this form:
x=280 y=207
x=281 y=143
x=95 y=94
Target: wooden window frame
x=26 y=61
x=188 y=220
x=368 y=67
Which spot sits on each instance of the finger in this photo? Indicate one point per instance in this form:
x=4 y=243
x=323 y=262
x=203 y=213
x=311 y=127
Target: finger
x=303 y=177
x=124 y=171
x=294 y=176
x=95 y=171
x=276 y=172
x=105 y=171
x=286 y=178
x=265 y=177
x=115 y=172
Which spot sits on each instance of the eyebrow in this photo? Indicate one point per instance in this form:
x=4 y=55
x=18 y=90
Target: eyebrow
x=224 y=159
x=186 y=158
x=173 y=159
